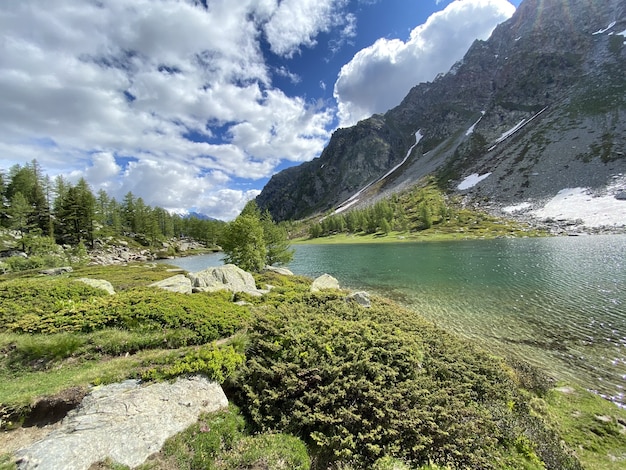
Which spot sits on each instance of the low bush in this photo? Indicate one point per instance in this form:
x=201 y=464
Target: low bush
x=40 y=297
x=216 y=363
x=209 y=316
x=362 y=384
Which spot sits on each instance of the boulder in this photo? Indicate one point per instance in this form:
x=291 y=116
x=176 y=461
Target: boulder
x=325 y=281
x=179 y=283
x=98 y=284
x=124 y=422
x=56 y=271
x=227 y=277
x=361 y=298
x=278 y=270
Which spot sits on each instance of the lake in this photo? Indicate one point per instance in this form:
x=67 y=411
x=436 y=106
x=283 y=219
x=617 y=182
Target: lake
x=559 y=303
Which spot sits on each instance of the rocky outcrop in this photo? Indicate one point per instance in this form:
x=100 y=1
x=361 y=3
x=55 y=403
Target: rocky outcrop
x=98 y=284
x=227 y=277
x=278 y=270
x=108 y=255
x=56 y=271
x=179 y=283
x=323 y=282
x=124 y=422
x=361 y=298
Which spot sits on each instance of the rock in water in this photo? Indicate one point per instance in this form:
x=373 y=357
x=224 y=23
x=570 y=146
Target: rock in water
x=325 y=281
x=124 y=422
x=179 y=283
x=227 y=277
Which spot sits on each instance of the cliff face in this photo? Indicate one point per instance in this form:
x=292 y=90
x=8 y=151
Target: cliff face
x=540 y=106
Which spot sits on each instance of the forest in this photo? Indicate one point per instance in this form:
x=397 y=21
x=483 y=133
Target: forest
x=35 y=206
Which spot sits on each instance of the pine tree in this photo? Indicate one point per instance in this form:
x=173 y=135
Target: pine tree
x=20 y=213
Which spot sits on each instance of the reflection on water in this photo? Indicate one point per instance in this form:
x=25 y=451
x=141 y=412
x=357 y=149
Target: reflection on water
x=559 y=303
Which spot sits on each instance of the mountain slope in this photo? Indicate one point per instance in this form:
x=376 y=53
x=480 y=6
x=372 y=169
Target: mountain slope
x=539 y=106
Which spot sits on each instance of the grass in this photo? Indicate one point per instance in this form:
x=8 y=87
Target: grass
x=22 y=388
x=594 y=427
x=435 y=234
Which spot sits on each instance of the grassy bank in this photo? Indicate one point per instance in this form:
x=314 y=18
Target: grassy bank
x=315 y=381
x=412 y=237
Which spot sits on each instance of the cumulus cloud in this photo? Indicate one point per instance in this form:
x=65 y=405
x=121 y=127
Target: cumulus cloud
x=378 y=77
x=296 y=23
x=182 y=89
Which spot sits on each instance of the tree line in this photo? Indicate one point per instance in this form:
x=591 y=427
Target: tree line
x=417 y=209
x=34 y=205
x=42 y=210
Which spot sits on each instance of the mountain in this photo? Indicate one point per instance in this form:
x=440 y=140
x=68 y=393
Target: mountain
x=198 y=215
x=538 y=107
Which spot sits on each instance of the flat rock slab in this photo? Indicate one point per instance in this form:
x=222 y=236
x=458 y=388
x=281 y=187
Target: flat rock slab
x=125 y=422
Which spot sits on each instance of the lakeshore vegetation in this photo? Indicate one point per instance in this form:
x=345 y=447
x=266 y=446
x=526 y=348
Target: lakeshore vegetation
x=314 y=380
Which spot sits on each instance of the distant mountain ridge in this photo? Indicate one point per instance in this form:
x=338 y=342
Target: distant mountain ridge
x=539 y=107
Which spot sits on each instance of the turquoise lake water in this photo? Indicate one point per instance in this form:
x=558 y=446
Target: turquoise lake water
x=559 y=303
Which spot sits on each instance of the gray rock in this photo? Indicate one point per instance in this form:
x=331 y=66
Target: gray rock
x=361 y=298
x=325 y=281
x=621 y=196
x=124 y=422
x=278 y=270
x=98 y=284
x=56 y=271
x=227 y=277
x=179 y=283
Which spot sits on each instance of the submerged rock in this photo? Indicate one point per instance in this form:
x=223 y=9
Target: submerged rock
x=124 y=422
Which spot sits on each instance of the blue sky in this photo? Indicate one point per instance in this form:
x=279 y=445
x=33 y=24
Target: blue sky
x=194 y=104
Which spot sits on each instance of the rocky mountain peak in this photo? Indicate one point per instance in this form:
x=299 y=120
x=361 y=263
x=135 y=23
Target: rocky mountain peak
x=539 y=105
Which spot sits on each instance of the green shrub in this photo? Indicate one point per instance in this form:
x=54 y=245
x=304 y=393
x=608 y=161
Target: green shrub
x=209 y=316
x=361 y=384
x=216 y=363
x=40 y=297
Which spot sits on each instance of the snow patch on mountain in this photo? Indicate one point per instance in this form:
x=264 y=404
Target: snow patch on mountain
x=471 y=181
x=595 y=210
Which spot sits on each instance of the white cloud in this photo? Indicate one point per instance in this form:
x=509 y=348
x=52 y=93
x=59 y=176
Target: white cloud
x=84 y=82
x=296 y=23
x=378 y=77
x=103 y=169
